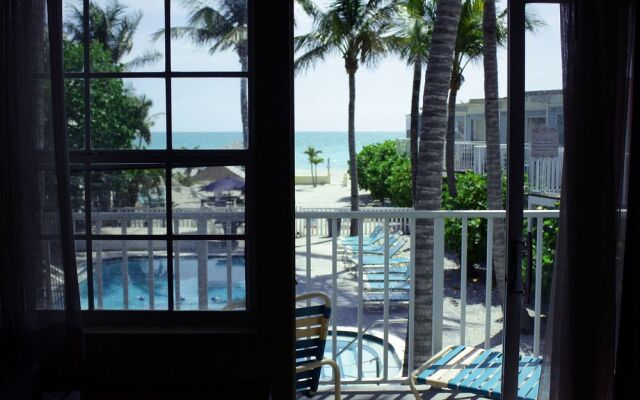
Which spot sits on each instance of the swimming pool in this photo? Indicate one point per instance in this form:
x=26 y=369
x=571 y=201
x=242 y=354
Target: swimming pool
x=372 y=357
x=112 y=294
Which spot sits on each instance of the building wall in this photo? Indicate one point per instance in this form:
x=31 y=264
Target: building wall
x=543 y=107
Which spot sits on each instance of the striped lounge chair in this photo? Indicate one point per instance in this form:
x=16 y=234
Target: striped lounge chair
x=477 y=371
x=373 y=248
x=376 y=235
x=312 y=325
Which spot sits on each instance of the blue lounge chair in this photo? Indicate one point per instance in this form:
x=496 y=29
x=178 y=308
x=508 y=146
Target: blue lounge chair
x=374 y=236
x=394 y=269
x=378 y=259
x=374 y=248
x=401 y=296
x=397 y=276
x=477 y=371
x=379 y=285
x=312 y=325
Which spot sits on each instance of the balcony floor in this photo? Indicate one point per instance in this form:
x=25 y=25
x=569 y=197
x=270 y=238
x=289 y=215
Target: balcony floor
x=373 y=392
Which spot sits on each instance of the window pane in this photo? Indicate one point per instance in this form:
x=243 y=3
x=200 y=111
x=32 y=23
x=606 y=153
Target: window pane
x=81 y=267
x=209 y=113
x=73 y=35
x=209 y=275
x=128 y=114
x=209 y=35
x=132 y=40
x=129 y=275
x=74 y=111
x=130 y=201
x=77 y=199
x=208 y=200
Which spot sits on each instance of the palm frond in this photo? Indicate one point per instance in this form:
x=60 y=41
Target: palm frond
x=312 y=57
x=148 y=57
x=309 y=7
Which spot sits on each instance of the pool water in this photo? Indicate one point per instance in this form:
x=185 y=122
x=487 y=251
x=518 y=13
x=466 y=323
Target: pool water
x=372 y=357
x=138 y=285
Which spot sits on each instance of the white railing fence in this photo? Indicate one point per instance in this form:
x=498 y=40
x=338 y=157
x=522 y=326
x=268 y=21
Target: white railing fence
x=544 y=174
x=306 y=225
x=311 y=225
x=132 y=222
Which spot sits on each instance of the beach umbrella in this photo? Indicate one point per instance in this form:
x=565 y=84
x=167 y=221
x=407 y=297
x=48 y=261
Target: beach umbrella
x=224 y=185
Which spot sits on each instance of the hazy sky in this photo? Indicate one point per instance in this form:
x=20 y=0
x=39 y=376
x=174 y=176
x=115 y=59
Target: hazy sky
x=382 y=94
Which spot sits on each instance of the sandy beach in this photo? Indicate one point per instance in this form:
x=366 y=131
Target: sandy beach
x=333 y=195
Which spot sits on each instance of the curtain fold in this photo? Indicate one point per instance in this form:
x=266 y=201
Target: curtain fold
x=40 y=330
x=580 y=346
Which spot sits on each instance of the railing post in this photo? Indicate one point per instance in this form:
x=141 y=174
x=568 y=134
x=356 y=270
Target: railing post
x=538 y=291
x=176 y=266
x=385 y=342
x=438 y=284
x=98 y=248
x=488 y=286
x=150 y=277
x=203 y=260
x=334 y=290
x=360 y=273
x=308 y=257
x=229 y=264
x=412 y=294
x=125 y=268
x=463 y=283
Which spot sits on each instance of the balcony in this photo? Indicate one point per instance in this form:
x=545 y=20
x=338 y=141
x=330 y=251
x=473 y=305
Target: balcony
x=372 y=316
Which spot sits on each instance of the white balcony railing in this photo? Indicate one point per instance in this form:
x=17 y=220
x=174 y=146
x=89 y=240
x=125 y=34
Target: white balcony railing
x=544 y=174
x=313 y=228
x=313 y=223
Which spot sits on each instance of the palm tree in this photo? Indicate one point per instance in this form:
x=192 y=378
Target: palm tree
x=111 y=27
x=314 y=159
x=469 y=49
x=494 y=169
x=411 y=41
x=358 y=31
x=219 y=26
x=429 y=179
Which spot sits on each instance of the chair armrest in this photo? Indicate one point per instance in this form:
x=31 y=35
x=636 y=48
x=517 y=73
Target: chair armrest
x=319 y=364
x=414 y=375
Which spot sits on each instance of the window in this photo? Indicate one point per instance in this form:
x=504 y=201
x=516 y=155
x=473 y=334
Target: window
x=160 y=150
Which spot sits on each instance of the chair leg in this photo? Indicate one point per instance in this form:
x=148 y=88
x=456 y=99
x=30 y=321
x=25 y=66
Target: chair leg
x=414 y=389
x=336 y=377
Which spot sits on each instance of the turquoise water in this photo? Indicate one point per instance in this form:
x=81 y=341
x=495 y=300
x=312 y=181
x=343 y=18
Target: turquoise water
x=112 y=285
x=334 y=145
x=372 y=357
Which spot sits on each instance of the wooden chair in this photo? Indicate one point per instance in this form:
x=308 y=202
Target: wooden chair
x=312 y=326
x=477 y=371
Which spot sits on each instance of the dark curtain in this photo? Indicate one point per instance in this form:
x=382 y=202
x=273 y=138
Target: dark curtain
x=40 y=337
x=591 y=275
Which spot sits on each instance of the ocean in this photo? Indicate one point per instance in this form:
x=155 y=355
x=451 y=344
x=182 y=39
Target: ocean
x=334 y=145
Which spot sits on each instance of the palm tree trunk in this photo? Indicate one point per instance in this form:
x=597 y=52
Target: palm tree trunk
x=353 y=170
x=494 y=168
x=415 y=118
x=450 y=143
x=429 y=178
x=244 y=111
x=413 y=138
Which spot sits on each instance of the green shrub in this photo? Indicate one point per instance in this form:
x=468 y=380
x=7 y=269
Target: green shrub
x=472 y=195
x=388 y=175
x=385 y=173
x=549 y=236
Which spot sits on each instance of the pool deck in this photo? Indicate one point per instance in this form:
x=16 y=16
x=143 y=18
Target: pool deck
x=346 y=309
x=396 y=392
